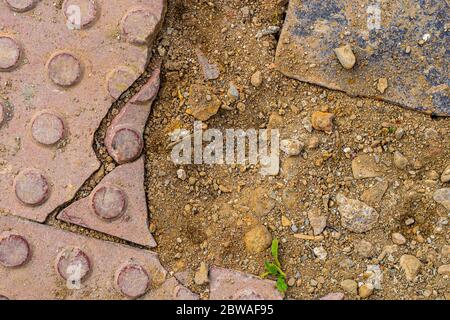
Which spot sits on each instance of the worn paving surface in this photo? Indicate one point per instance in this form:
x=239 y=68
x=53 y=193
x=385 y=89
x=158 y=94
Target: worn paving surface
x=409 y=49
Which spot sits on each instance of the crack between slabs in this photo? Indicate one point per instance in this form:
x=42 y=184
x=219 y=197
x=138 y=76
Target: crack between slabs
x=107 y=164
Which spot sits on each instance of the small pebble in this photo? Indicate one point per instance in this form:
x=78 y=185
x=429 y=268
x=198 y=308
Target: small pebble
x=410 y=266
x=346 y=56
x=382 y=85
x=365 y=290
x=292 y=147
x=233 y=92
x=398 y=238
x=257 y=79
x=400 y=161
x=320 y=253
x=350 y=286
x=399 y=133
x=445 y=177
x=181 y=174
x=258 y=239
x=291 y=282
x=201 y=276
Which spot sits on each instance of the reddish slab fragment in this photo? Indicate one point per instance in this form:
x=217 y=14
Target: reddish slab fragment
x=401 y=49
x=228 y=284
x=60 y=62
x=333 y=296
x=56 y=254
x=117 y=206
x=172 y=290
x=124 y=138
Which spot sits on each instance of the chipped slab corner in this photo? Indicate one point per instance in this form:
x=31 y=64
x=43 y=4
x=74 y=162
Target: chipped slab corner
x=61 y=87
x=117 y=206
x=44 y=263
x=228 y=284
x=399 y=60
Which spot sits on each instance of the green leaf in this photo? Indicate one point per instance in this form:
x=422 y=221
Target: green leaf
x=271 y=268
x=281 y=284
x=274 y=248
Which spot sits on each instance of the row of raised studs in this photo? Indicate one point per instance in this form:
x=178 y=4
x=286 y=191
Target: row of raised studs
x=72 y=264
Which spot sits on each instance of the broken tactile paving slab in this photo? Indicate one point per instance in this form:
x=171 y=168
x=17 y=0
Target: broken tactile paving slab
x=117 y=206
x=41 y=262
x=124 y=137
x=401 y=49
x=228 y=284
x=57 y=61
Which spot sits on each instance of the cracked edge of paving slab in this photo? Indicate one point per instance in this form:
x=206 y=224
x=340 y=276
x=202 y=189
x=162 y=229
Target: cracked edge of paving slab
x=117 y=206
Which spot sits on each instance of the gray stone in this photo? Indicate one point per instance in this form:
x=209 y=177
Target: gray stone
x=356 y=216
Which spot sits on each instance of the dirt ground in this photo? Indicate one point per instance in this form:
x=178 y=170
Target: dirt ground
x=204 y=218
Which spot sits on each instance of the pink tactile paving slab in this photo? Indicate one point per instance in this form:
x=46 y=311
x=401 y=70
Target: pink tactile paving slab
x=124 y=137
x=62 y=73
x=41 y=262
x=117 y=206
x=171 y=290
x=228 y=284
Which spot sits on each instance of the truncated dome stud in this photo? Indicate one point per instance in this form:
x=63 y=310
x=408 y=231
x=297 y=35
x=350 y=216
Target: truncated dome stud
x=14 y=250
x=120 y=80
x=31 y=187
x=64 y=69
x=73 y=264
x=21 y=5
x=138 y=25
x=80 y=13
x=132 y=280
x=47 y=128
x=126 y=145
x=109 y=202
x=9 y=53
